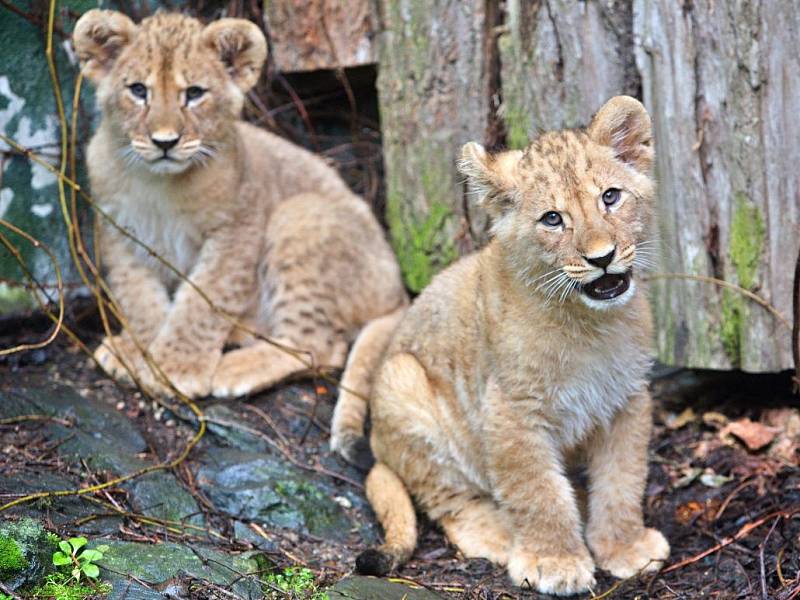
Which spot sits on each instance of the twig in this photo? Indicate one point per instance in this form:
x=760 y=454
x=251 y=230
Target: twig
x=796 y=326
x=59 y=285
x=743 y=532
x=7 y=590
x=762 y=568
x=736 y=490
x=726 y=284
x=24 y=418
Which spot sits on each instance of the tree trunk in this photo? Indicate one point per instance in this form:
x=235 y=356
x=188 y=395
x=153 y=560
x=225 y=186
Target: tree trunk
x=561 y=60
x=722 y=81
x=435 y=89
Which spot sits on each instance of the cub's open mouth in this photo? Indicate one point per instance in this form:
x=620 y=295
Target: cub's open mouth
x=608 y=286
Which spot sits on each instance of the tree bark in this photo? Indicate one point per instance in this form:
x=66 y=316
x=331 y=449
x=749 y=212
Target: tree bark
x=435 y=93
x=722 y=82
x=307 y=35
x=561 y=60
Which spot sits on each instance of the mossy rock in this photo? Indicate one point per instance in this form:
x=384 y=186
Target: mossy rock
x=26 y=550
x=126 y=563
x=263 y=488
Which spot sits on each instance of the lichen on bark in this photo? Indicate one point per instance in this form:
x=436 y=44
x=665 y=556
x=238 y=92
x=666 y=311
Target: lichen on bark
x=422 y=244
x=746 y=243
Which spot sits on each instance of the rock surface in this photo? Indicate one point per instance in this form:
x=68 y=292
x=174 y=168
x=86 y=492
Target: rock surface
x=371 y=588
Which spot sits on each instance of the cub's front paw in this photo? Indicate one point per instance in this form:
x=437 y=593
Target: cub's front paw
x=191 y=375
x=114 y=352
x=646 y=552
x=236 y=375
x=561 y=575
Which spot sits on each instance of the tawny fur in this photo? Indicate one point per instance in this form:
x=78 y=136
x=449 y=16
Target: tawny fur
x=503 y=375
x=268 y=231
x=347 y=425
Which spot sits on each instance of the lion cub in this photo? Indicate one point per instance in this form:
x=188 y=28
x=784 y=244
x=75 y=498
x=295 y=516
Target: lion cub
x=268 y=231
x=526 y=359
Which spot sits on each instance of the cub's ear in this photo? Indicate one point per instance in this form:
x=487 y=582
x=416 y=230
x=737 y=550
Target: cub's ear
x=241 y=47
x=623 y=124
x=99 y=37
x=492 y=176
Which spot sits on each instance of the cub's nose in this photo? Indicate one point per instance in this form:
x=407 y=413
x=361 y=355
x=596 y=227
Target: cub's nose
x=165 y=142
x=601 y=261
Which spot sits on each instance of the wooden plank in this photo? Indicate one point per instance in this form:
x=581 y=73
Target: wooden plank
x=306 y=35
x=722 y=81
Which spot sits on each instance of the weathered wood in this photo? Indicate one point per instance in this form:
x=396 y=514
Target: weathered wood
x=722 y=81
x=306 y=35
x=561 y=60
x=435 y=89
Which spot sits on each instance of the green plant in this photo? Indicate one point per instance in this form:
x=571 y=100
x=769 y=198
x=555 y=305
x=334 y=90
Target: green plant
x=294 y=582
x=73 y=552
x=61 y=586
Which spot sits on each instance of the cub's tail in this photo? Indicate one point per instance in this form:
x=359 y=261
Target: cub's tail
x=347 y=428
x=392 y=505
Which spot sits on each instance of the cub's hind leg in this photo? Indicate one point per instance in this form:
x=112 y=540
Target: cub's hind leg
x=300 y=300
x=300 y=343
x=479 y=529
x=405 y=439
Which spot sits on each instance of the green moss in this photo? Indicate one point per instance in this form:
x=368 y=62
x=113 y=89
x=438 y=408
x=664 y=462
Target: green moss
x=12 y=560
x=311 y=503
x=745 y=247
x=732 y=326
x=746 y=241
x=63 y=587
x=14 y=299
x=516 y=121
x=423 y=247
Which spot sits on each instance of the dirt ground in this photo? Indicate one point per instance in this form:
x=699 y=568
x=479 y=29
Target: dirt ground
x=724 y=482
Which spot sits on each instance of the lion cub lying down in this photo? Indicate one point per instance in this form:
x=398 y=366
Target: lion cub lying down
x=268 y=231
x=524 y=360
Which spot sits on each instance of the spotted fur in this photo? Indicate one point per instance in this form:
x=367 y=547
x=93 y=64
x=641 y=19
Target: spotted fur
x=503 y=376
x=268 y=231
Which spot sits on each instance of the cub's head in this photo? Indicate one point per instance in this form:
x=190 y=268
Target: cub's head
x=170 y=88
x=573 y=210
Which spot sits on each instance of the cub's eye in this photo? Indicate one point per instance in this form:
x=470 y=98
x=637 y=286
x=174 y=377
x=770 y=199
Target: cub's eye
x=194 y=92
x=611 y=196
x=139 y=90
x=552 y=219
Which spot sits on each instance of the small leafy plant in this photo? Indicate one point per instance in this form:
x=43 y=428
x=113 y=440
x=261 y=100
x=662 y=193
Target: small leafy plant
x=294 y=583
x=73 y=553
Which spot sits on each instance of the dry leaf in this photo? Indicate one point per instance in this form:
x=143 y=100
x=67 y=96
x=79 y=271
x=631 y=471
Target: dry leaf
x=673 y=421
x=755 y=435
x=686 y=512
x=714 y=480
x=688 y=476
x=785 y=419
x=714 y=419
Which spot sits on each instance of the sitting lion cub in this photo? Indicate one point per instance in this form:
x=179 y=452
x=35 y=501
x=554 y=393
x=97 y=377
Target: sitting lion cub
x=268 y=232
x=525 y=360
